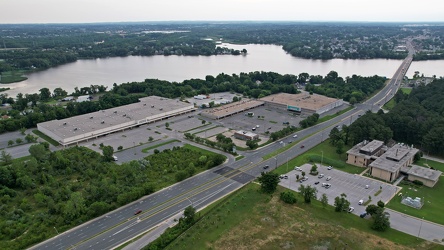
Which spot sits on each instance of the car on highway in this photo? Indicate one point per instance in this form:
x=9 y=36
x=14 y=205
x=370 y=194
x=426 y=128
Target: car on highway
x=137 y=212
x=302 y=146
x=294 y=136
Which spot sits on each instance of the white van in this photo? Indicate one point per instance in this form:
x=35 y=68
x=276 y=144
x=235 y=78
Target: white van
x=115 y=158
x=361 y=202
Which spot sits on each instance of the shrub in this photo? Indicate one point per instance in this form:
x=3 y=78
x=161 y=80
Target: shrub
x=419 y=183
x=288 y=197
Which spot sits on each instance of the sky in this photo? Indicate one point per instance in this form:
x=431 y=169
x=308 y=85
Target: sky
x=87 y=11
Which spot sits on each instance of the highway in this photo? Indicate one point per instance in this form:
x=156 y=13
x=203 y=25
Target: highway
x=117 y=227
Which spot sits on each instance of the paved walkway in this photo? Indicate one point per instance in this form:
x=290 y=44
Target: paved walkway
x=433 y=158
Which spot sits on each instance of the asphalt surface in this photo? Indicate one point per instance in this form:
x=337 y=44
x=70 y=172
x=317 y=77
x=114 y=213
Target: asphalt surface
x=119 y=226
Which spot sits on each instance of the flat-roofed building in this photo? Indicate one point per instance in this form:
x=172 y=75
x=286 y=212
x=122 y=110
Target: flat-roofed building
x=231 y=109
x=302 y=102
x=364 y=153
x=388 y=166
x=92 y=125
x=246 y=135
x=429 y=177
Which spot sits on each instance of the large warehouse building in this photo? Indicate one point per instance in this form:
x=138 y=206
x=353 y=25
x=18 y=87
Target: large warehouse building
x=231 y=109
x=302 y=102
x=92 y=125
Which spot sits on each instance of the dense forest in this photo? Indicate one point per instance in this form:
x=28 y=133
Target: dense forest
x=30 y=109
x=417 y=119
x=40 y=46
x=65 y=188
x=353 y=89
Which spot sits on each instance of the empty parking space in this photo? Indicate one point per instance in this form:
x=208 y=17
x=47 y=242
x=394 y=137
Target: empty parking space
x=356 y=187
x=268 y=119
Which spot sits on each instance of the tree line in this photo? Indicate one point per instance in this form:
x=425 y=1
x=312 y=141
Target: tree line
x=417 y=119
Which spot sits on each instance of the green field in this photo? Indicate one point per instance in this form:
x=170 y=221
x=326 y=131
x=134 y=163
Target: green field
x=389 y=105
x=429 y=163
x=13 y=76
x=249 y=219
x=324 y=152
x=433 y=201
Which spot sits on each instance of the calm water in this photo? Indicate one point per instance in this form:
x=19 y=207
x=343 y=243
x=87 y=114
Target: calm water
x=178 y=68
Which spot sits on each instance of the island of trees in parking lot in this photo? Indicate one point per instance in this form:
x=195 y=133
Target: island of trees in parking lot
x=65 y=188
x=37 y=47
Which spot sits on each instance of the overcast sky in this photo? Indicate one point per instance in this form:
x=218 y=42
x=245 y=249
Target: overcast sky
x=81 y=11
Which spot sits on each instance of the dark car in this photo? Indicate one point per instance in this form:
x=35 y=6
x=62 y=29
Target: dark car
x=266 y=166
x=363 y=215
x=302 y=146
x=316 y=183
x=137 y=212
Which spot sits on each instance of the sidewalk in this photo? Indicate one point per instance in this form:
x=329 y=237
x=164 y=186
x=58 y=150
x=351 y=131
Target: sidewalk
x=433 y=158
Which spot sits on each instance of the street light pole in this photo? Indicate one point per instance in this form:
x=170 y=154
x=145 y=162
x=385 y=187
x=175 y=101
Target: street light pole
x=276 y=162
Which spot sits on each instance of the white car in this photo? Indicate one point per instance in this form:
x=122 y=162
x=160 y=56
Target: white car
x=361 y=202
x=351 y=209
x=329 y=167
x=328 y=178
x=294 y=136
x=297 y=168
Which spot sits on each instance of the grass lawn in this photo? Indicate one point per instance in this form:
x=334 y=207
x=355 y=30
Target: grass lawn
x=406 y=90
x=145 y=150
x=249 y=219
x=13 y=76
x=429 y=163
x=328 y=117
x=330 y=157
x=433 y=205
x=45 y=137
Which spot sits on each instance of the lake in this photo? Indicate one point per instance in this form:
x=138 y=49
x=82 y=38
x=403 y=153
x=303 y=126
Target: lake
x=107 y=71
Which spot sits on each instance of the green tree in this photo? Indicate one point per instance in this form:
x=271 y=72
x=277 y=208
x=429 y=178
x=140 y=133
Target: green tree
x=167 y=124
x=189 y=215
x=39 y=152
x=372 y=209
x=288 y=197
x=268 y=181
x=381 y=204
x=45 y=94
x=252 y=144
x=108 y=153
x=308 y=193
x=30 y=138
x=314 y=169
x=341 y=203
x=10 y=142
x=324 y=200
x=204 y=121
x=150 y=138
x=340 y=146
x=381 y=221
x=5 y=158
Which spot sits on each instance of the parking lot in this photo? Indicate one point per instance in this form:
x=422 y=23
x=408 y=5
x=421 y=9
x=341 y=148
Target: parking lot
x=272 y=120
x=354 y=186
